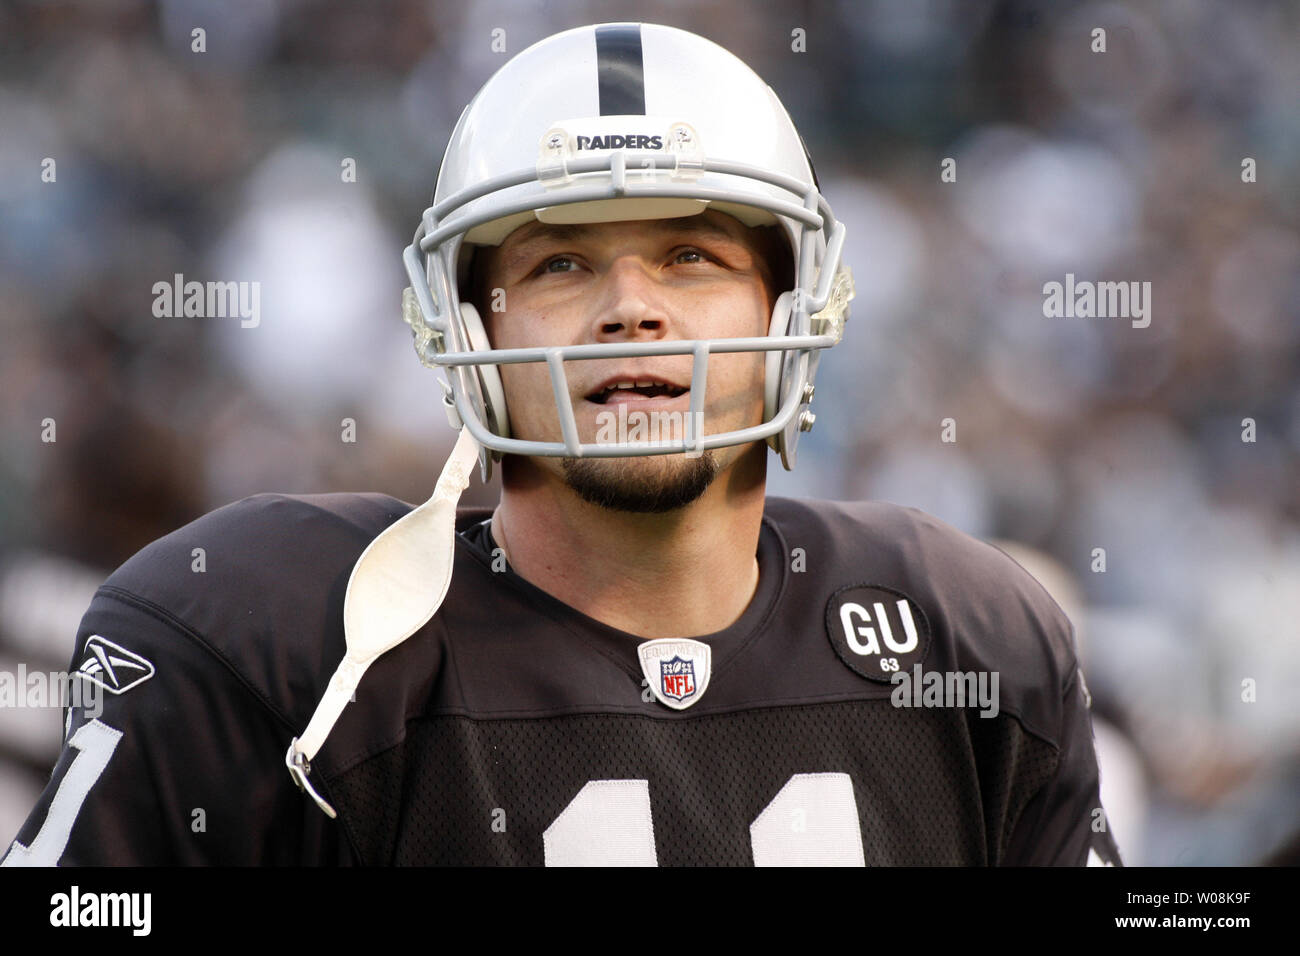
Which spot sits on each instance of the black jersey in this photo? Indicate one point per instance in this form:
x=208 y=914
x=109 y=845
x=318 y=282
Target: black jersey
x=512 y=729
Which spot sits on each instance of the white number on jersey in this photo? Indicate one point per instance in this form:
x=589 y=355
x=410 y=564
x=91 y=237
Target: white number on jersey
x=812 y=821
x=94 y=743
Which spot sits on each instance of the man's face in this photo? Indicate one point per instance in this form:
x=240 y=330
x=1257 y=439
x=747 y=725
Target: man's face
x=693 y=277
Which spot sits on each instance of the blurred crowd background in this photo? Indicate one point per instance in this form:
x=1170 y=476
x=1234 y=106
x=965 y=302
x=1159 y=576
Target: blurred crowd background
x=1072 y=434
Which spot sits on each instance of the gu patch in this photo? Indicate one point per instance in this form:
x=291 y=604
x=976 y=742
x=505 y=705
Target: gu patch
x=877 y=631
x=676 y=669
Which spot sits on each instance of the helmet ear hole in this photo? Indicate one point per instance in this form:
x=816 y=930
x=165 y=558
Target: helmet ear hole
x=489 y=376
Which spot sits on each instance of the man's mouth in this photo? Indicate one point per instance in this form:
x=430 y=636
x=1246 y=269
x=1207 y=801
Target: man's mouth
x=635 y=390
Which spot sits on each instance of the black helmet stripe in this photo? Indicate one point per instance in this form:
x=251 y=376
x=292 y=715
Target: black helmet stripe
x=619 y=70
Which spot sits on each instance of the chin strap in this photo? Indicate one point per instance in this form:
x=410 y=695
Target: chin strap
x=397 y=584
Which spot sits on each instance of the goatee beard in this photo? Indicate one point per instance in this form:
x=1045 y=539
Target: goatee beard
x=611 y=483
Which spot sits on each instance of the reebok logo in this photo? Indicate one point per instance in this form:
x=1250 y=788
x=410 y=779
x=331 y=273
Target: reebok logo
x=112 y=666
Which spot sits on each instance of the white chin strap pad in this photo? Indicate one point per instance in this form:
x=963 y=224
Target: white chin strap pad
x=397 y=584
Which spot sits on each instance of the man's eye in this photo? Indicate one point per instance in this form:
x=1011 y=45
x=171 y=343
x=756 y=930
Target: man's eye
x=698 y=256
x=561 y=261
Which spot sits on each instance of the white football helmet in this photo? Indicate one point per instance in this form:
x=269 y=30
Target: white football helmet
x=613 y=122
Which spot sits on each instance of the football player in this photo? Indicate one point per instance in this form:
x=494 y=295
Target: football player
x=627 y=277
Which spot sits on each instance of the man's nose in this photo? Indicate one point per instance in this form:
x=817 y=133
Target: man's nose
x=630 y=303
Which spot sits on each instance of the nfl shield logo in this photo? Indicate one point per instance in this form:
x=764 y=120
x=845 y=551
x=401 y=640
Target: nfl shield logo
x=678 y=678
x=676 y=670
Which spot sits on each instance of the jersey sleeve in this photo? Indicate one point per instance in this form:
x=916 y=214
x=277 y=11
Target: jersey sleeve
x=169 y=758
x=1064 y=823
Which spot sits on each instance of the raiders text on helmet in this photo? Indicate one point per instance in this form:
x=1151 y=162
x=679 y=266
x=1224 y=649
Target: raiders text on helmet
x=619 y=141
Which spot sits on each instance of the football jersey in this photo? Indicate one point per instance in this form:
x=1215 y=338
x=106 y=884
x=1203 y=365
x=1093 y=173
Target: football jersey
x=513 y=729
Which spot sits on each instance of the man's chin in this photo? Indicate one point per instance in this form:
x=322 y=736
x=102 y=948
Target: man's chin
x=653 y=484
